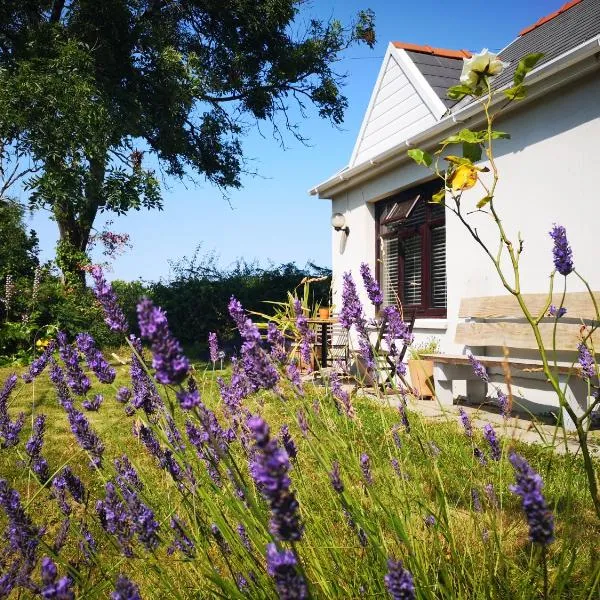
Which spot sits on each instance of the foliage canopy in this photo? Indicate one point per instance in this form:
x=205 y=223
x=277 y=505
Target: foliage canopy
x=88 y=88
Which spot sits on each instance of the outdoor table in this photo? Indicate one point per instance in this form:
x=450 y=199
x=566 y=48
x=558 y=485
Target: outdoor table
x=324 y=341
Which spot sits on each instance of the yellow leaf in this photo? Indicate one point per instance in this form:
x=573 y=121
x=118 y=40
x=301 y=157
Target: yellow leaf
x=463 y=178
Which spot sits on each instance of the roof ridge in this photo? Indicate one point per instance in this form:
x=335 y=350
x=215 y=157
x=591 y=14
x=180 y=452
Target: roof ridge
x=435 y=51
x=542 y=20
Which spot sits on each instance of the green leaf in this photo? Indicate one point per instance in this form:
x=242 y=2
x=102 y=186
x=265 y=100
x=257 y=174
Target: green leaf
x=472 y=151
x=439 y=197
x=459 y=160
x=465 y=135
x=420 y=156
x=484 y=201
x=515 y=93
x=458 y=92
x=525 y=65
x=500 y=135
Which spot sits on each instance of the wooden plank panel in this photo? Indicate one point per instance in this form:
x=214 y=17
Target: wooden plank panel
x=519 y=335
x=579 y=305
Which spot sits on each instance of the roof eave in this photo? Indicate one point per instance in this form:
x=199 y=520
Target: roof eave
x=539 y=80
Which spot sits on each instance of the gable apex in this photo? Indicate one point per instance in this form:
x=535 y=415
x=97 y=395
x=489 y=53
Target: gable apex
x=402 y=104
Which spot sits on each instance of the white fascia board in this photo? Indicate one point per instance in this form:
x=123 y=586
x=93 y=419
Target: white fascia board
x=425 y=91
x=382 y=71
x=538 y=78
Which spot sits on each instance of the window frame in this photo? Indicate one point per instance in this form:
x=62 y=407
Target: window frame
x=425 y=191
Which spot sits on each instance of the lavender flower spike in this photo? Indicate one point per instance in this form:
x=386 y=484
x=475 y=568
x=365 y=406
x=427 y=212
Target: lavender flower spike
x=372 y=287
x=586 y=361
x=529 y=487
x=478 y=368
x=282 y=567
x=213 y=347
x=306 y=335
x=125 y=590
x=167 y=355
x=562 y=253
x=113 y=315
x=269 y=468
x=399 y=581
x=9 y=430
x=466 y=422
x=59 y=590
x=490 y=436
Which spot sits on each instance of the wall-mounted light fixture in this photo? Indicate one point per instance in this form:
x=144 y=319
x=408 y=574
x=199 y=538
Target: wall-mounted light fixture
x=338 y=222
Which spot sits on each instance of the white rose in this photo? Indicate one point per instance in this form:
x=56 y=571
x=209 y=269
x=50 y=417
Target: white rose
x=483 y=64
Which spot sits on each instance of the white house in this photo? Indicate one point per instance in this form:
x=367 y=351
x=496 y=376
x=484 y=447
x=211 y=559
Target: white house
x=549 y=172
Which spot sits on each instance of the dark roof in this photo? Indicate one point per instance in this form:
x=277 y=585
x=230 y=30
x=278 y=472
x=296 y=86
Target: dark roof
x=571 y=25
x=567 y=28
x=439 y=71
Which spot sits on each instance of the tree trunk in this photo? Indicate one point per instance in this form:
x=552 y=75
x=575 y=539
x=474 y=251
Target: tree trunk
x=75 y=226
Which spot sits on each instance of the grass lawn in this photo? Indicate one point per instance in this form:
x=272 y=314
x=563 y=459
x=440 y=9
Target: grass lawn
x=423 y=509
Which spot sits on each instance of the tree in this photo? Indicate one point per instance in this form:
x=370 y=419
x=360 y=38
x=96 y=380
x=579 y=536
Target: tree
x=18 y=248
x=87 y=88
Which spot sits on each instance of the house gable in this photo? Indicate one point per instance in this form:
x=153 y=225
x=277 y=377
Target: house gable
x=402 y=104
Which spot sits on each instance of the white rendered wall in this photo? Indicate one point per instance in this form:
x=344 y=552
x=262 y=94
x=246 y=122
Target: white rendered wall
x=550 y=172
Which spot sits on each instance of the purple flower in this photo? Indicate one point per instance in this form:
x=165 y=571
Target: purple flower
x=61 y=536
x=480 y=456
x=529 y=487
x=181 y=542
x=77 y=380
x=478 y=368
x=399 y=581
x=334 y=476
x=430 y=521
x=39 y=364
x=114 y=518
x=238 y=388
x=490 y=436
x=586 y=361
x=269 y=468
x=281 y=565
x=557 y=312
x=167 y=355
x=23 y=535
x=504 y=404
x=403 y=415
x=352 y=310
x=302 y=422
x=307 y=337
x=256 y=365
x=395 y=328
x=372 y=287
x=33 y=447
x=95 y=359
x=396 y=436
x=62 y=391
x=113 y=315
x=244 y=537
x=86 y=437
x=490 y=492
x=125 y=590
x=365 y=467
x=340 y=394
x=562 y=253
x=145 y=394
x=94 y=403
x=59 y=590
x=123 y=395
x=293 y=374
x=277 y=341
x=9 y=430
x=476 y=500
x=396 y=466
x=466 y=422
x=288 y=442
x=213 y=347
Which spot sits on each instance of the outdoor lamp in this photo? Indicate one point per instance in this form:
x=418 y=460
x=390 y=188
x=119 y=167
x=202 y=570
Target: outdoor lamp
x=338 y=222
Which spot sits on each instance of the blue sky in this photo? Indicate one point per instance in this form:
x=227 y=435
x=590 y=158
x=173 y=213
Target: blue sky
x=272 y=218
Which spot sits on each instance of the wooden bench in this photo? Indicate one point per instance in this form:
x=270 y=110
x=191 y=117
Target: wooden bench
x=498 y=322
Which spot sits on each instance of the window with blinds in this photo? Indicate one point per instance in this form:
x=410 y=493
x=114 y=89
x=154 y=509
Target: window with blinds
x=412 y=251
